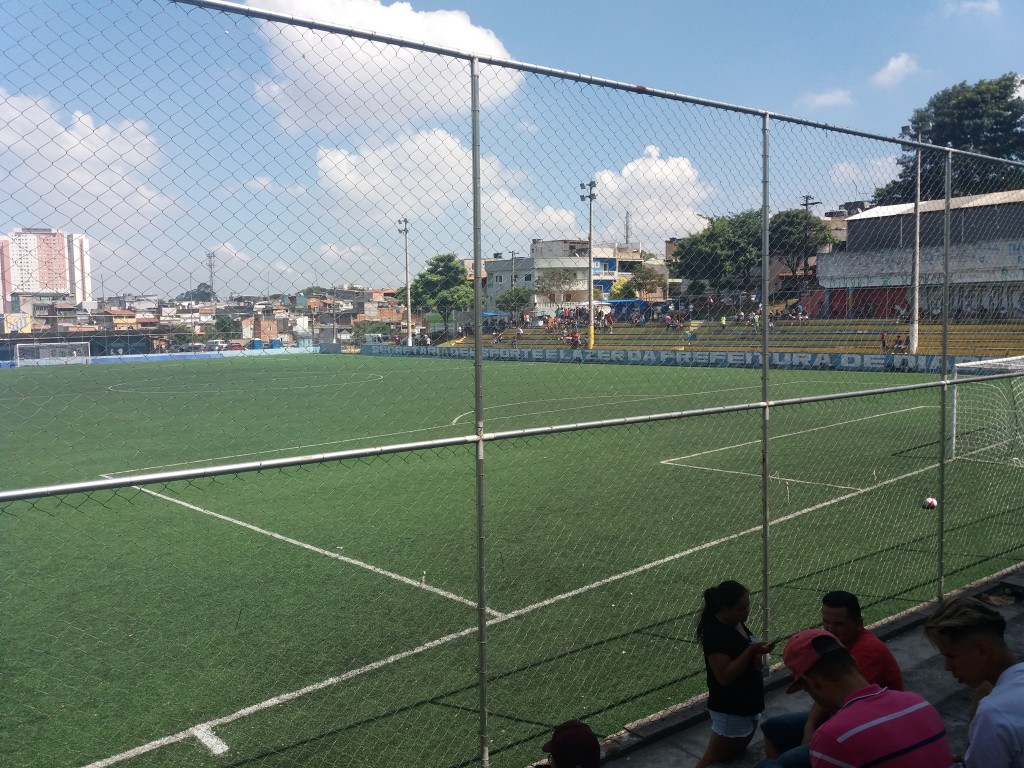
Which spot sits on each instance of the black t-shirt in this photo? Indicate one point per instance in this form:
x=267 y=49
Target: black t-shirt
x=745 y=694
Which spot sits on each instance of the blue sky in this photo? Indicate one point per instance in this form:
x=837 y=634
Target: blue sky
x=163 y=131
x=862 y=65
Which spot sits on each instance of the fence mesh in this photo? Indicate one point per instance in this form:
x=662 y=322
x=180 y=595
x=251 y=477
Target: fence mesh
x=227 y=541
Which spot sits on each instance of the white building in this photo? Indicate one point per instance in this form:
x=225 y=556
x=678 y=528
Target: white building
x=611 y=262
x=43 y=260
x=545 y=256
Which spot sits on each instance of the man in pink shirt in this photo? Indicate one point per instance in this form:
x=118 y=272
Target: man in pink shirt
x=871 y=725
x=786 y=737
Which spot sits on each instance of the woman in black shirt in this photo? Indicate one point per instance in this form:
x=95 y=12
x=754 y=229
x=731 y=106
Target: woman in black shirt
x=732 y=657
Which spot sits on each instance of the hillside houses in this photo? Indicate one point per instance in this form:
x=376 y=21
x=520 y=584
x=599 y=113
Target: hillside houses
x=296 y=320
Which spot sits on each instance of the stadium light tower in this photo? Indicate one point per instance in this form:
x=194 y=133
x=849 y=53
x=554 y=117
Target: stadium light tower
x=913 y=334
x=403 y=227
x=591 y=196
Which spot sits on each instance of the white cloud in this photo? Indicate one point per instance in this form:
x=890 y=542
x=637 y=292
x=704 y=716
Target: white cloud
x=418 y=176
x=661 y=195
x=77 y=170
x=990 y=7
x=267 y=184
x=77 y=174
x=231 y=254
x=834 y=98
x=897 y=69
x=426 y=177
x=330 y=82
x=853 y=180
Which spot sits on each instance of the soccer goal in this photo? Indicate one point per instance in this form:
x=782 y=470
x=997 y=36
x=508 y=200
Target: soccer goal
x=62 y=353
x=986 y=421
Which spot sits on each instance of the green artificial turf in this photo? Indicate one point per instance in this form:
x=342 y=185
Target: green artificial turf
x=137 y=614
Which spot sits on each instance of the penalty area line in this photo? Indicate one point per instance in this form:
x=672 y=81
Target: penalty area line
x=758 y=474
x=794 y=434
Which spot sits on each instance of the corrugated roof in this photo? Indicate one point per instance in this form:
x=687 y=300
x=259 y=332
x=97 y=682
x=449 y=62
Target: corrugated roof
x=928 y=206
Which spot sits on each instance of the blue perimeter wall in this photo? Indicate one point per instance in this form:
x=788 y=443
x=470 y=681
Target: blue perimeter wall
x=155 y=357
x=779 y=360
x=791 y=360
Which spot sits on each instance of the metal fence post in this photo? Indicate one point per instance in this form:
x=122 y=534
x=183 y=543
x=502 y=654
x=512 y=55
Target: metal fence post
x=478 y=371
x=765 y=368
x=944 y=390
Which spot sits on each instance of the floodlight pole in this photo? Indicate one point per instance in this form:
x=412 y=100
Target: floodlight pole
x=403 y=227
x=591 y=197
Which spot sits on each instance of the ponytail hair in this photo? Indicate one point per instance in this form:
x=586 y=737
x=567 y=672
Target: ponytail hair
x=724 y=596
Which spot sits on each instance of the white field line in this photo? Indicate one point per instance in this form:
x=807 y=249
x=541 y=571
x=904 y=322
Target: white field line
x=794 y=434
x=327 y=553
x=331 y=681
x=758 y=474
x=210 y=740
x=375 y=378
x=605 y=400
x=210 y=725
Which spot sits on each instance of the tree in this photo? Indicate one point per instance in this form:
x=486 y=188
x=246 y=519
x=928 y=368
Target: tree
x=224 y=326
x=202 y=292
x=363 y=327
x=443 y=272
x=986 y=117
x=795 y=236
x=441 y=287
x=647 y=279
x=515 y=300
x=556 y=281
x=622 y=289
x=722 y=254
x=451 y=299
x=400 y=296
x=315 y=289
x=180 y=338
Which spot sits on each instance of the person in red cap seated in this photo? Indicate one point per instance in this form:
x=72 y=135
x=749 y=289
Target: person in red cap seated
x=573 y=745
x=872 y=725
x=787 y=738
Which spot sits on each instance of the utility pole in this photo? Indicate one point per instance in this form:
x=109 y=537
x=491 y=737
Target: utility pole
x=403 y=227
x=808 y=203
x=591 y=197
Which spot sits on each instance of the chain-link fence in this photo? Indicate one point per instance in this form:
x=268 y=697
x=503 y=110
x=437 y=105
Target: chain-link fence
x=670 y=342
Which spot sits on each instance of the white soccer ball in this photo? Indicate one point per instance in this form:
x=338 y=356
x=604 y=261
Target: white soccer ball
x=930 y=503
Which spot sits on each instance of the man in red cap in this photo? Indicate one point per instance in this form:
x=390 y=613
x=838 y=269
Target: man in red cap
x=573 y=745
x=872 y=725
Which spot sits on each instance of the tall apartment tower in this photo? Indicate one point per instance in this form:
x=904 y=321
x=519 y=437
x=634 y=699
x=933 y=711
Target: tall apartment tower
x=43 y=260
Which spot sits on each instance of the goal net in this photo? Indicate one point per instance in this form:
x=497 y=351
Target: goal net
x=63 y=353
x=987 y=423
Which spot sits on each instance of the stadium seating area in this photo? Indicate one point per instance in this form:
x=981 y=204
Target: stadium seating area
x=854 y=336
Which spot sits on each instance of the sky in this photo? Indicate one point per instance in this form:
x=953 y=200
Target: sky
x=165 y=132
